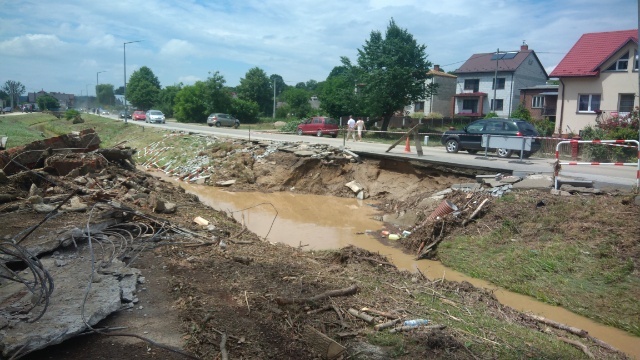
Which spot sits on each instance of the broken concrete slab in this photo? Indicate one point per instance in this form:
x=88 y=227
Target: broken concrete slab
x=67 y=311
x=225 y=183
x=28 y=155
x=354 y=186
x=582 y=190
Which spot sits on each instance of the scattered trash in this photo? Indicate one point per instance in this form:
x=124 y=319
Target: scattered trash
x=416 y=322
x=200 y=221
x=406 y=233
x=394 y=236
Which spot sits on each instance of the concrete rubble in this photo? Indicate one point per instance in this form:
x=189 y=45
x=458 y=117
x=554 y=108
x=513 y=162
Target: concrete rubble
x=59 y=284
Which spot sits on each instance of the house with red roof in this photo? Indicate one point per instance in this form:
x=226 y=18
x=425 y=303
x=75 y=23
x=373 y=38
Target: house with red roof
x=509 y=71
x=598 y=78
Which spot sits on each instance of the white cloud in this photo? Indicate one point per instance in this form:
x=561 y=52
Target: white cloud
x=301 y=40
x=180 y=48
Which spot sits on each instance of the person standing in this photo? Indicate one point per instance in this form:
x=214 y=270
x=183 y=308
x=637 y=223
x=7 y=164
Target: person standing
x=351 y=127
x=360 y=127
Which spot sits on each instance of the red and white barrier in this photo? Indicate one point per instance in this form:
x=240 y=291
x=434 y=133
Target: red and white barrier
x=603 y=142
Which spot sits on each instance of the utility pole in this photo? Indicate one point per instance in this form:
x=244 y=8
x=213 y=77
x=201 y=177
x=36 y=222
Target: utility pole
x=274 y=96
x=495 y=81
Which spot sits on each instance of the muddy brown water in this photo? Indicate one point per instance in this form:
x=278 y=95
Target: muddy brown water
x=323 y=222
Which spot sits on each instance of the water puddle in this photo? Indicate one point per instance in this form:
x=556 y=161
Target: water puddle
x=321 y=222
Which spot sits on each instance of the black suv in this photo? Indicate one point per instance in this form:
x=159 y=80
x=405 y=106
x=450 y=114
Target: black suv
x=470 y=137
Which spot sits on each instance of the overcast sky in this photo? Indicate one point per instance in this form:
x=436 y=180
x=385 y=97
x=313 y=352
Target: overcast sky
x=60 y=46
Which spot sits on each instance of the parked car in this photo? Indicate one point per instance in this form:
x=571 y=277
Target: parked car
x=139 y=115
x=319 y=126
x=470 y=137
x=154 y=116
x=124 y=114
x=219 y=119
x=7 y=109
x=104 y=112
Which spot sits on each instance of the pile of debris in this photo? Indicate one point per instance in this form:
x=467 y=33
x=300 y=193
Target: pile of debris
x=76 y=218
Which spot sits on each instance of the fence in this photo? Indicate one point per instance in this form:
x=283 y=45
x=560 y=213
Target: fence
x=575 y=143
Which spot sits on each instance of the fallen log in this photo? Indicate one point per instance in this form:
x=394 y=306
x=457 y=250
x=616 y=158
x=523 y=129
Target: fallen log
x=579 y=345
x=381 y=313
x=387 y=324
x=473 y=215
x=362 y=316
x=575 y=331
x=409 y=328
x=351 y=290
x=380 y=262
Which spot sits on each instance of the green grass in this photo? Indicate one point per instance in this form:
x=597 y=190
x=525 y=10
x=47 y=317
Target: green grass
x=580 y=268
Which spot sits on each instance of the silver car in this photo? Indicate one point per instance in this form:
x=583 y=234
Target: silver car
x=155 y=116
x=219 y=119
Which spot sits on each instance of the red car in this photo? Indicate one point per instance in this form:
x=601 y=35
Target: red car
x=139 y=115
x=319 y=126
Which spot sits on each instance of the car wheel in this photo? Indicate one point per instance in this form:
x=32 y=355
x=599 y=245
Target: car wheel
x=300 y=132
x=319 y=133
x=527 y=154
x=472 y=152
x=452 y=146
x=218 y=124
x=210 y=124
x=236 y=125
x=334 y=135
x=504 y=153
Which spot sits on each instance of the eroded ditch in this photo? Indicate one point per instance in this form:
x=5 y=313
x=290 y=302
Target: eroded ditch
x=318 y=222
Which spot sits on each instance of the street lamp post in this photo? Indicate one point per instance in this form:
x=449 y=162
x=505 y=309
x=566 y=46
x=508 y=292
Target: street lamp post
x=98 y=83
x=124 y=47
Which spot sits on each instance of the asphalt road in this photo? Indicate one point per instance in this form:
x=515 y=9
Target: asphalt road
x=603 y=176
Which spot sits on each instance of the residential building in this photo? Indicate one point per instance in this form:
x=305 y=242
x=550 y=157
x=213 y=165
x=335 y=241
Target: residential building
x=598 y=78
x=439 y=102
x=540 y=100
x=66 y=100
x=509 y=71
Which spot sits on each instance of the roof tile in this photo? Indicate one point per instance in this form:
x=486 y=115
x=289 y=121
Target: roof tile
x=591 y=50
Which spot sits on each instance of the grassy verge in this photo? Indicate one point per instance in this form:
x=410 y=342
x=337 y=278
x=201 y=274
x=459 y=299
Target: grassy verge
x=578 y=253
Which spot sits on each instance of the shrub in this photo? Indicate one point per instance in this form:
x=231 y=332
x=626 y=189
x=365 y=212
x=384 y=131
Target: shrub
x=71 y=114
x=291 y=126
x=545 y=127
x=434 y=116
x=612 y=128
x=491 y=115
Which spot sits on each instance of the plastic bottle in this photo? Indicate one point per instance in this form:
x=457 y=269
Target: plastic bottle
x=394 y=236
x=416 y=322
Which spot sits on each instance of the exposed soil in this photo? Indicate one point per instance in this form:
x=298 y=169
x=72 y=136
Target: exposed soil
x=233 y=285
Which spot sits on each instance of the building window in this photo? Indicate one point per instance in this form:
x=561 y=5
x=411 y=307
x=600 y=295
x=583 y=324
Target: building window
x=469 y=105
x=419 y=106
x=537 y=102
x=621 y=64
x=499 y=81
x=498 y=103
x=472 y=84
x=626 y=103
x=589 y=103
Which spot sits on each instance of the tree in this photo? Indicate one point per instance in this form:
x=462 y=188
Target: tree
x=166 y=99
x=189 y=105
x=393 y=71
x=311 y=85
x=216 y=96
x=298 y=101
x=338 y=93
x=256 y=87
x=246 y=111
x=119 y=91
x=105 y=95
x=14 y=89
x=4 y=98
x=279 y=82
x=143 y=88
x=47 y=102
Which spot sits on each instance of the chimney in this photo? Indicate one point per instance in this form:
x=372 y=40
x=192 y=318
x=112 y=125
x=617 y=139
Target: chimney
x=524 y=46
x=436 y=68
